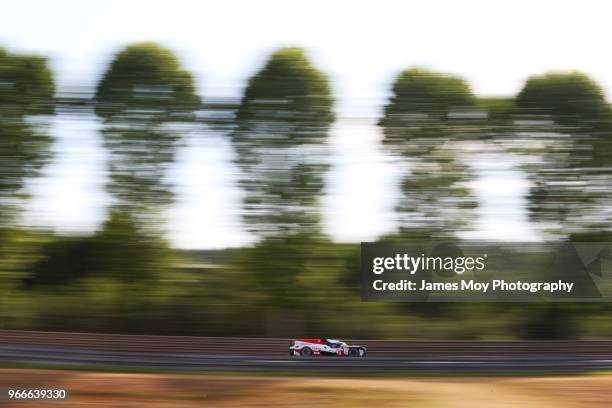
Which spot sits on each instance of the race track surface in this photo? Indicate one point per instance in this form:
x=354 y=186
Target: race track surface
x=225 y=354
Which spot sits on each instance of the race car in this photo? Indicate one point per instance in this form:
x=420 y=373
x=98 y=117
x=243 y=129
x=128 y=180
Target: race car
x=325 y=347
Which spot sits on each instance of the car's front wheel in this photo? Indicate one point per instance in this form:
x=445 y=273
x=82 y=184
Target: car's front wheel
x=357 y=352
x=306 y=352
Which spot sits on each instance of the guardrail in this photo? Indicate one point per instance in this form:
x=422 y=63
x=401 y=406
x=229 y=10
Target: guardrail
x=278 y=346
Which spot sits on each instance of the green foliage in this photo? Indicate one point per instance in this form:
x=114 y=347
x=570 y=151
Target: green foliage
x=281 y=130
x=420 y=90
x=23 y=151
x=280 y=137
x=145 y=78
x=118 y=251
x=26 y=85
x=289 y=92
x=419 y=128
x=497 y=108
x=124 y=278
x=141 y=97
x=274 y=267
x=572 y=99
x=570 y=181
x=26 y=88
x=422 y=97
x=547 y=322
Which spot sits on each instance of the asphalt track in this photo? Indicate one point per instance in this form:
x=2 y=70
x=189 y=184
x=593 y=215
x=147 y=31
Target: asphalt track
x=271 y=355
x=203 y=362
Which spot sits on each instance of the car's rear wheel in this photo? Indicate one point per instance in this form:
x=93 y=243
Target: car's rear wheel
x=306 y=352
x=353 y=352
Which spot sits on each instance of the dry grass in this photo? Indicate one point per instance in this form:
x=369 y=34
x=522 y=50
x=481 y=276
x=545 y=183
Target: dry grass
x=175 y=390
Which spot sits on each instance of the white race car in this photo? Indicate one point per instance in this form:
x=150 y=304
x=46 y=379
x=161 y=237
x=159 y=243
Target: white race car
x=325 y=347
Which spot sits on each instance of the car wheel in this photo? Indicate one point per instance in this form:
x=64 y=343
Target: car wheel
x=306 y=352
x=353 y=353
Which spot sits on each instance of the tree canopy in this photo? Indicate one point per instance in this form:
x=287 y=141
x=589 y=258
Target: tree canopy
x=141 y=95
x=281 y=130
x=417 y=94
x=291 y=92
x=571 y=98
x=26 y=88
x=145 y=77
x=419 y=129
x=570 y=181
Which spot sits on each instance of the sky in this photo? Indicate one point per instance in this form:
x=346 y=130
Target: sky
x=360 y=45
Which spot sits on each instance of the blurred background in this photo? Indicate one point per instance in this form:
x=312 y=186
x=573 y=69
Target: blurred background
x=196 y=168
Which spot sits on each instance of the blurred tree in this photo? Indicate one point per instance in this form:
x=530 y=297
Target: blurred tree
x=570 y=99
x=129 y=253
x=147 y=79
x=26 y=89
x=546 y=322
x=275 y=266
x=142 y=98
x=570 y=118
x=27 y=86
x=498 y=108
x=118 y=251
x=422 y=124
x=280 y=138
x=430 y=93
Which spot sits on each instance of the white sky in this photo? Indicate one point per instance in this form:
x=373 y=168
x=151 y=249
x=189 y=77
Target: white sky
x=361 y=45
